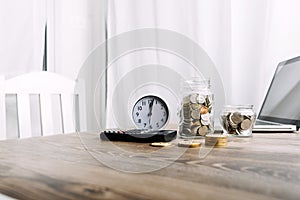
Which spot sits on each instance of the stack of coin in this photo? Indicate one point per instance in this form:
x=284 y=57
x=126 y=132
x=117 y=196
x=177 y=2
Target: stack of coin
x=196 y=115
x=237 y=123
x=216 y=140
x=189 y=143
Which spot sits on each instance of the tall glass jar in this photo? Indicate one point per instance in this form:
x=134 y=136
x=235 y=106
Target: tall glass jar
x=237 y=120
x=196 y=111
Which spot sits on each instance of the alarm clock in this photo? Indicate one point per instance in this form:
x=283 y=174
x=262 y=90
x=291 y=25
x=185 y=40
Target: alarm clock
x=150 y=112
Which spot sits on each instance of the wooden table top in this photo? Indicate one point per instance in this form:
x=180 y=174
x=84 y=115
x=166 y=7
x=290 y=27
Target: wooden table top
x=80 y=166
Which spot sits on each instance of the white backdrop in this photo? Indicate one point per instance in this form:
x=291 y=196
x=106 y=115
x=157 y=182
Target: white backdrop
x=22 y=36
x=244 y=38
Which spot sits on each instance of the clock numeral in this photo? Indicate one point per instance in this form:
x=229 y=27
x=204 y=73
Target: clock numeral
x=164 y=114
x=162 y=119
x=157 y=124
x=139 y=121
x=143 y=103
x=145 y=124
x=150 y=127
x=140 y=108
x=137 y=114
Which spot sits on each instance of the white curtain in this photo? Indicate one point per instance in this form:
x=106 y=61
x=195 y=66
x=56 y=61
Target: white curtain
x=22 y=36
x=263 y=33
x=245 y=39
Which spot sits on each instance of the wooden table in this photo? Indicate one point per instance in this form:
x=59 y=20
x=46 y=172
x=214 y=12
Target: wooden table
x=80 y=166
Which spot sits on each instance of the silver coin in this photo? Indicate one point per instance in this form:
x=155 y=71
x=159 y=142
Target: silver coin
x=186 y=99
x=196 y=122
x=195 y=114
x=246 y=124
x=186 y=131
x=195 y=106
x=203 y=130
x=201 y=98
x=187 y=123
x=205 y=122
x=236 y=118
x=193 y=98
x=205 y=117
x=194 y=129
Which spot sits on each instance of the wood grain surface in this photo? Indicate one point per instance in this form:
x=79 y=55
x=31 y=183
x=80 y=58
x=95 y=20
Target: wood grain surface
x=80 y=166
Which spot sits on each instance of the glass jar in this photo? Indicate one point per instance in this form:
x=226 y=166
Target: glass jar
x=196 y=111
x=237 y=120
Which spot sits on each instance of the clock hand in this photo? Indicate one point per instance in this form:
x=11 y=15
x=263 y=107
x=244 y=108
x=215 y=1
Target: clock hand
x=150 y=110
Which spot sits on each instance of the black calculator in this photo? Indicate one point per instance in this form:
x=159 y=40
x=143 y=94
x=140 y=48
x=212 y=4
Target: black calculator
x=138 y=135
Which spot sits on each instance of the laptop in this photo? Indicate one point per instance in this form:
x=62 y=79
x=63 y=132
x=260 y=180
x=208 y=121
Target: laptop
x=280 y=111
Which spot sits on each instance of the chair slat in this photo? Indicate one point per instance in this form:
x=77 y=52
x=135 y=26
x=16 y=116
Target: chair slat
x=11 y=116
x=68 y=112
x=24 y=113
x=35 y=114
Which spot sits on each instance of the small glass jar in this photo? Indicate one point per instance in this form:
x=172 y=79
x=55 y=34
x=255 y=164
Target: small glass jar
x=237 y=120
x=196 y=111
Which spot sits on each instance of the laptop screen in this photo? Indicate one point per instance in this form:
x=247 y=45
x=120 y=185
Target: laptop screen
x=282 y=102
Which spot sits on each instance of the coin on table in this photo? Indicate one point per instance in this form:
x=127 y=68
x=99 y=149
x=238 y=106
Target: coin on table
x=160 y=144
x=189 y=143
x=216 y=140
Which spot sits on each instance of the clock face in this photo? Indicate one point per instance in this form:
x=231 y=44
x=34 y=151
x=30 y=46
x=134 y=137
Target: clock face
x=150 y=112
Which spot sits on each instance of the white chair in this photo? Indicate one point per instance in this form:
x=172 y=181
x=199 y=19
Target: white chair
x=38 y=104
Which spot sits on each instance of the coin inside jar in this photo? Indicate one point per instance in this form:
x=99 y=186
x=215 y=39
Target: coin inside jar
x=246 y=124
x=196 y=112
x=236 y=117
x=202 y=130
x=237 y=120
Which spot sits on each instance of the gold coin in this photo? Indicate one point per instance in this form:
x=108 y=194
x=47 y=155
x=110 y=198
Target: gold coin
x=216 y=140
x=189 y=143
x=160 y=144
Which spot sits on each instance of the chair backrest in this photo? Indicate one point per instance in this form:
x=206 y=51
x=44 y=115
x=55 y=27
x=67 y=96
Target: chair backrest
x=38 y=104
